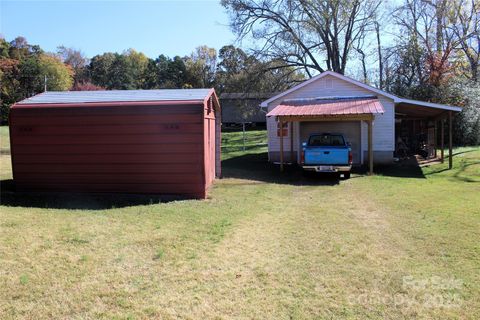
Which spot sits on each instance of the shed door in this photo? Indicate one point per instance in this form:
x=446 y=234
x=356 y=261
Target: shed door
x=349 y=129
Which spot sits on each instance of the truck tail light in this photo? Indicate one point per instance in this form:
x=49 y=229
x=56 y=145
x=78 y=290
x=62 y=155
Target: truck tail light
x=302 y=157
x=350 y=157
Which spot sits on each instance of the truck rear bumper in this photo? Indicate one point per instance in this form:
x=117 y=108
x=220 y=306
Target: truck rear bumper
x=323 y=168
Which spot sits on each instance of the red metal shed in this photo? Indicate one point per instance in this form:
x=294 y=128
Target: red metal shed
x=121 y=141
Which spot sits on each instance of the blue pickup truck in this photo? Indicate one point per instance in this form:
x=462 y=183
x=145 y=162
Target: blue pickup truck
x=327 y=152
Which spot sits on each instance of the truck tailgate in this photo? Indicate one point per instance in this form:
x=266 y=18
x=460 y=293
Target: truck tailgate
x=326 y=155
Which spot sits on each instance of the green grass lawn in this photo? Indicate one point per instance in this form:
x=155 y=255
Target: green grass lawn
x=263 y=245
x=4 y=140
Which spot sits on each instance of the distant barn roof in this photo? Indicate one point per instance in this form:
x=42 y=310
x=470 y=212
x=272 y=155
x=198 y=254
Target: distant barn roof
x=246 y=95
x=54 y=97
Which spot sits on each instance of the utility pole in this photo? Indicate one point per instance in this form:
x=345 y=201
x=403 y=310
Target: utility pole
x=45 y=84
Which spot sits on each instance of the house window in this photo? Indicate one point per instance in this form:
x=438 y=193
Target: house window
x=285 y=129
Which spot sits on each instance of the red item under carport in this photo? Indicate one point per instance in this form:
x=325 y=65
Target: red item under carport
x=124 y=141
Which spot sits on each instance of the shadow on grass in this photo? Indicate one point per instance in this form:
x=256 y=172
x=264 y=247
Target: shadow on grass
x=460 y=152
x=458 y=172
x=408 y=168
x=255 y=166
x=70 y=200
x=461 y=170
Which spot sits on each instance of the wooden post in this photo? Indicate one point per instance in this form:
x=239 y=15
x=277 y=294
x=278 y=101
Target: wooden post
x=291 y=143
x=450 y=155
x=442 y=140
x=435 y=138
x=281 y=145
x=370 y=147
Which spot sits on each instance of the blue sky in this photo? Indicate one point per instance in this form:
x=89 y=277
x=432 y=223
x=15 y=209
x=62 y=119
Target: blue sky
x=152 y=27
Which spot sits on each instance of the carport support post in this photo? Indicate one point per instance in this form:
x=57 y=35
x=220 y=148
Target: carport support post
x=442 y=140
x=370 y=147
x=281 y=145
x=291 y=142
x=450 y=159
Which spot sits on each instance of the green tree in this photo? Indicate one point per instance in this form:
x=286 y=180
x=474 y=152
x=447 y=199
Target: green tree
x=150 y=75
x=240 y=72
x=10 y=85
x=171 y=73
x=100 y=69
x=120 y=75
x=121 y=71
x=467 y=123
x=4 y=48
x=59 y=76
x=137 y=64
x=23 y=68
x=31 y=79
x=201 y=67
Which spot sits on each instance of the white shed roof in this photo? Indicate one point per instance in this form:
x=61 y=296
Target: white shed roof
x=53 y=97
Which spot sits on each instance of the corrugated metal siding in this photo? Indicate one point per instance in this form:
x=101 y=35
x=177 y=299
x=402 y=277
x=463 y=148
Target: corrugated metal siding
x=218 y=145
x=132 y=149
x=383 y=129
x=211 y=137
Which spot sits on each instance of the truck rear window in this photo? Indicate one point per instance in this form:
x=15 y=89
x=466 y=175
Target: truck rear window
x=326 y=140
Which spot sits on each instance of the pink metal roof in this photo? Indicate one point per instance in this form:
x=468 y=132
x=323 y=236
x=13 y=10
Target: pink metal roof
x=326 y=107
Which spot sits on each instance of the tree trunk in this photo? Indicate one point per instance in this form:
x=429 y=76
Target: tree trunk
x=380 y=58
x=364 y=66
x=439 y=11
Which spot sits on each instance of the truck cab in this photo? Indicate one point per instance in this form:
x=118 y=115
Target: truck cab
x=327 y=152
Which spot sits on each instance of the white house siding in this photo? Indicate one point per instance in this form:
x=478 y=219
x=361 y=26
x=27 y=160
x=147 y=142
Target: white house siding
x=383 y=128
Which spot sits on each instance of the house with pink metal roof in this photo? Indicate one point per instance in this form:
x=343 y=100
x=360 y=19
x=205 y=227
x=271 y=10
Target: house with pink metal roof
x=372 y=120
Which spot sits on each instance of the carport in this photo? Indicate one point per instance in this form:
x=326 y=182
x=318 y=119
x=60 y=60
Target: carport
x=372 y=120
x=426 y=118
x=352 y=109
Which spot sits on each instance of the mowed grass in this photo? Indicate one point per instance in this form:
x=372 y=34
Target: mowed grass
x=4 y=140
x=264 y=245
x=237 y=143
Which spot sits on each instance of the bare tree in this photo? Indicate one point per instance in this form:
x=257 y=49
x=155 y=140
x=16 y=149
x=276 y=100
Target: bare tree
x=465 y=25
x=311 y=35
x=445 y=30
x=380 y=55
x=75 y=59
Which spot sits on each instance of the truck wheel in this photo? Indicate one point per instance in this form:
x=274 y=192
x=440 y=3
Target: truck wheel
x=346 y=175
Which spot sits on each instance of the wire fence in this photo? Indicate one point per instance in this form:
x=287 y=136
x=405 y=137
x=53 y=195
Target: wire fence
x=243 y=137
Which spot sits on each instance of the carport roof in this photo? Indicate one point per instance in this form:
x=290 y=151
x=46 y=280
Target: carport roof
x=333 y=106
